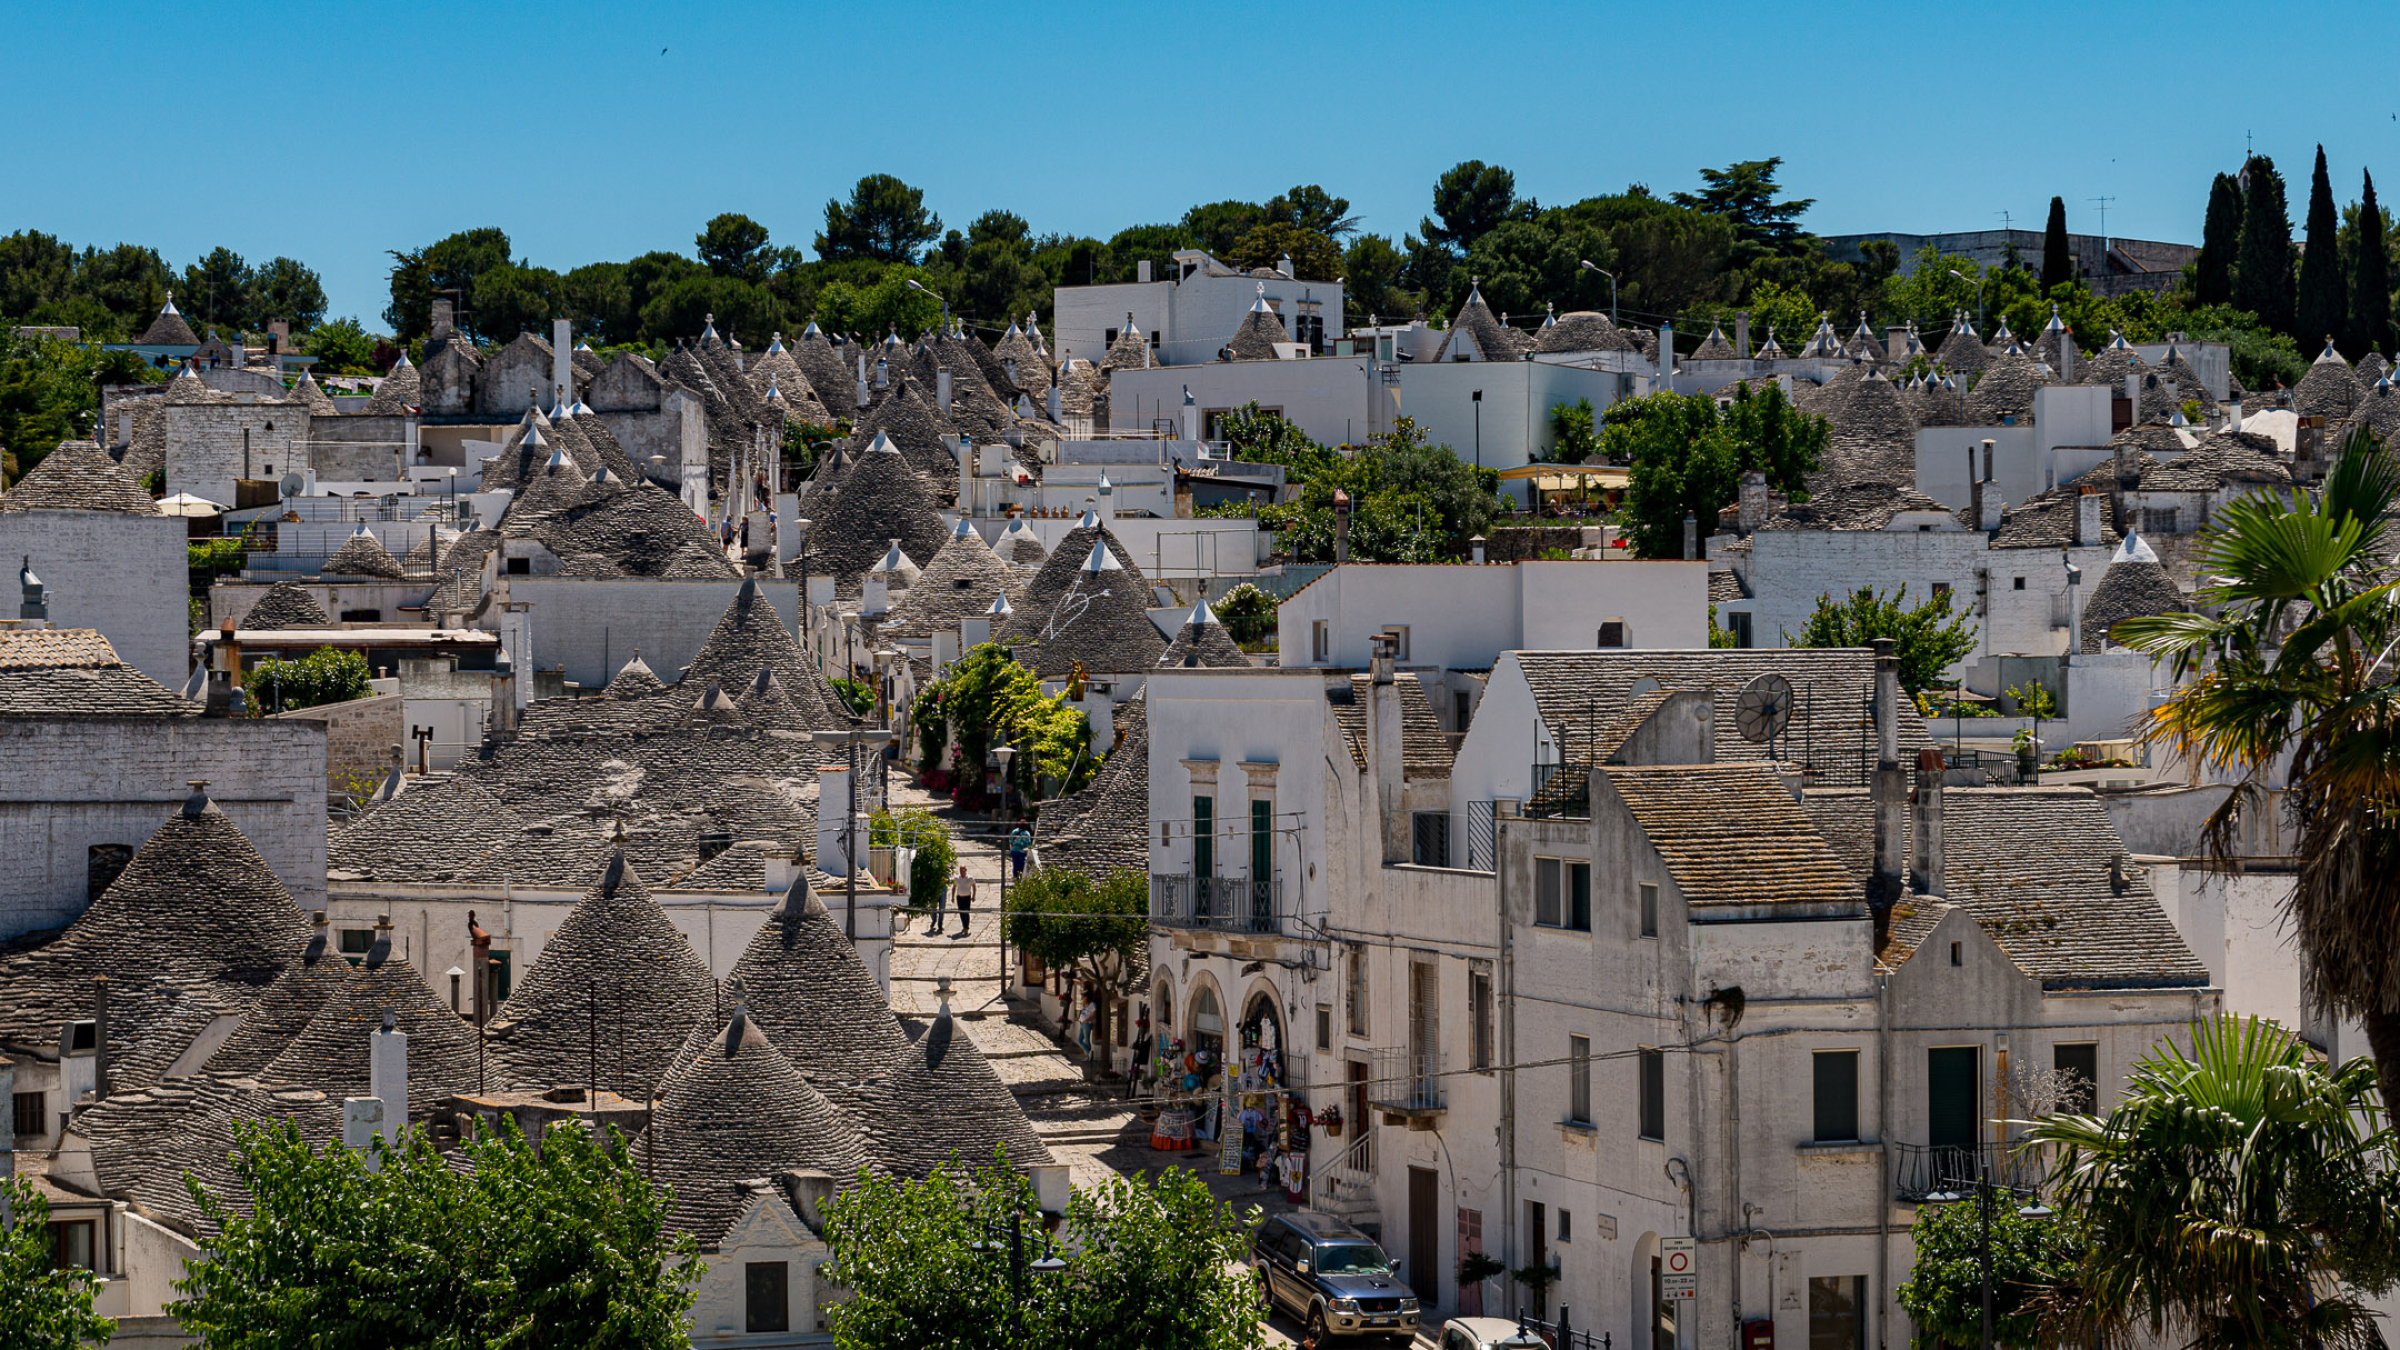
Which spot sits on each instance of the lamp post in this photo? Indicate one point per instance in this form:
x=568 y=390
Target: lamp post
x=1985 y=1189
x=923 y=290
x=1981 y=318
x=1589 y=266
x=852 y=738
x=1004 y=754
x=802 y=524
x=1476 y=397
x=1018 y=1269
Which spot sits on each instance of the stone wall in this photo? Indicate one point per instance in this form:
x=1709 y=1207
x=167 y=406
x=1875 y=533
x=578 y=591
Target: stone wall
x=121 y=574
x=593 y=627
x=357 y=447
x=1517 y=543
x=206 y=445
x=76 y=785
x=360 y=736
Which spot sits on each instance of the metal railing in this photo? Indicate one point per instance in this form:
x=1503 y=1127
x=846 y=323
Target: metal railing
x=1407 y=1078
x=1920 y=1170
x=1350 y=1177
x=1219 y=904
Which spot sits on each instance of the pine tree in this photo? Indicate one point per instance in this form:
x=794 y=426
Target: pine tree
x=2262 y=278
x=2321 y=305
x=2220 y=237
x=2370 y=282
x=2058 y=265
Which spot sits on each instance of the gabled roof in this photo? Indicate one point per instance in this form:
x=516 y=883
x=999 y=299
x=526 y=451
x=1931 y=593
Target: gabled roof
x=1732 y=836
x=78 y=476
x=2032 y=866
x=616 y=964
x=1425 y=752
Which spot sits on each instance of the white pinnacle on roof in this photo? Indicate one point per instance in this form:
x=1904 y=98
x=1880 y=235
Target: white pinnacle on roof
x=558 y=458
x=1549 y=315
x=1090 y=520
x=893 y=561
x=1106 y=488
x=812 y=330
x=2132 y=550
x=170 y=307
x=775 y=344
x=401 y=362
x=580 y=408
x=2056 y=324
x=584 y=346
x=962 y=530
x=1201 y=614
x=882 y=445
x=1001 y=609
x=534 y=437
x=708 y=327
x=2330 y=354
x=1102 y=560
x=362 y=530
x=1017 y=529
x=774 y=394
x=2117 y=342
x=1260 y=305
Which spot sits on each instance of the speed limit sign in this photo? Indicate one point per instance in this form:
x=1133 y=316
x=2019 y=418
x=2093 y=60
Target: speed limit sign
x=1678 y=1268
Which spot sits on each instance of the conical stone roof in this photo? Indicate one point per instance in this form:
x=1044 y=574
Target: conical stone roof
x=169 y=329
x=1059 y=569
x=906 y=416
x=750 y=637
x=833 y=378
x=2134 y=586
x=1203 y=641
x=878 y=496
x=284 y=1009
x=958 y=584
x=2330 y=389
x=399 y=390
x=944 y=1105
x=286 y=605
x=1260 y=330
x=78 y=476
x=1100 y=621
x=363 y=555
x=808 y=989
x=331 y=1054
x=616 y=963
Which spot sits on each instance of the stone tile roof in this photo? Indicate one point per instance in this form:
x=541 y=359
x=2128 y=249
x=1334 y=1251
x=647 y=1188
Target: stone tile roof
x=2046 y=520
x=1582 y=330
x=1131 y=351
x=1081 y=390
x=401 y=389
x=1715 y=348
x=1104 y=829
x=1962 y=353
x=1063 y=565
x=2378 y=409
x=1425 y=752
x=2113 y=363
x=2188 y=381
x=958 y=584
x=2221 y=458
x=1020 y=547
x=363 y=555
x=2330 y=389
x=750 y=637
x=169 y=329
x=1874 y=430
x=2006 y=388
x=633 y=526
x=74 y=672
x=1099 y=620
x=285 y=605
x=1493 y=340
x=2133 y=586
x=1581 y=694
x=146 y=1141
x=728 y=429
x=1938 y=403
x=616 y=963
x=808 y=990
x=1852 y=506
x=1260 y=330
x=734 y=1112
x=833 y=378
x=307 y=392
x=877 y=498
x=197 y=919
x=777 y=370
x=943 y=1104
x=1731 y=835
x=78 y=476
x=2032 y=866
x=1033 y=369
x=1724 y=587
x=924 y=438
x=974 y=408
x=1203 y=641
x=331 y=1053
x=283 y=1009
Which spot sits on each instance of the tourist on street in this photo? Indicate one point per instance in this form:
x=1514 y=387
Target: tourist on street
x=1019 y=840
x=1083 y=1023
x=941 y=904
x=963 y=895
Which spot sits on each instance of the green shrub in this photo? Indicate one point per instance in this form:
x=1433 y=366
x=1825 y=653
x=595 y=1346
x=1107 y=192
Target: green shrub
x=321 y=677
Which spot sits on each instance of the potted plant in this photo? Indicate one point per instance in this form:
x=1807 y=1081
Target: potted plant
x=1537 y=1280
x=1476 y=1267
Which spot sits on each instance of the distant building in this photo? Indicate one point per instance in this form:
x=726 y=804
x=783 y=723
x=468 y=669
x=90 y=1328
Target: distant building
x=2109 y=265
x=1186 y=318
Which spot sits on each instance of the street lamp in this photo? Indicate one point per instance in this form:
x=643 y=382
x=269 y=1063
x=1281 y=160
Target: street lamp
x=1476 y=397
x=922 y=290
x=802 y=524
x=1981 y=318
x=1985 y=1189
x=1589 y=266
x=1019 y=1268
x=852 y=737
x=1003 y=754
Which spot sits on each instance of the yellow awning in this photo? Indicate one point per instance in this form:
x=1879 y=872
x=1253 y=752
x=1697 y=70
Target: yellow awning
x=1569 y=477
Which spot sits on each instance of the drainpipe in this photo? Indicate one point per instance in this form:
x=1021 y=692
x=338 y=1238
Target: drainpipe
x=1508 y=1044
x=1883 y=1137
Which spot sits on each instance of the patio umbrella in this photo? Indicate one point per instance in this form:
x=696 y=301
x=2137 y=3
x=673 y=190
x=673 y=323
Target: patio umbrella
x=185 y=504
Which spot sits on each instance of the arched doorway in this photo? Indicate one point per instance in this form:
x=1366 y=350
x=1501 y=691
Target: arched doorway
x=1654 y=1315
x=1262 y=1036
x=1204 y=1030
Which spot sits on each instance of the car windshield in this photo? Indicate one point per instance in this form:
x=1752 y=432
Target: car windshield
x=1352 y=1258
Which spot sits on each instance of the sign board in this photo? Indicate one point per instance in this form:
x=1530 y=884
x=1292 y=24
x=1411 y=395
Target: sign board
x=1679 y=1268
x=1229 y=1130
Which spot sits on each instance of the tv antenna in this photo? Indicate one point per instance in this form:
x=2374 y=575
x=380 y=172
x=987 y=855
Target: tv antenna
x=2103 y=204
x=1763 y=710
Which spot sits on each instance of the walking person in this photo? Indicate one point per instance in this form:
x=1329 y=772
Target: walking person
x=1085 y=1020
x=963 y=895
x=941 y=904
x=1019 y=841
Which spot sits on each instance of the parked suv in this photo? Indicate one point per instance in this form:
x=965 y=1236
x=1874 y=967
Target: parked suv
x=1332 y=1277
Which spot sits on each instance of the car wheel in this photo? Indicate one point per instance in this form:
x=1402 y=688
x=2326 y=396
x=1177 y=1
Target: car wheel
x=1316 y=1325
x=1266 y=1288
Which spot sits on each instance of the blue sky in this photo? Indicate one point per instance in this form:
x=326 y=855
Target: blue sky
x=600 y=131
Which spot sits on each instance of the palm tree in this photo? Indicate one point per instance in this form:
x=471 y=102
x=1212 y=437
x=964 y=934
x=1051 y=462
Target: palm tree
x=2237 y=1197
x=2294 y=672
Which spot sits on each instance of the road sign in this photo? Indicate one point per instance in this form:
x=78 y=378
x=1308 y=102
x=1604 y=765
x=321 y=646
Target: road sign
x=1679 y=1268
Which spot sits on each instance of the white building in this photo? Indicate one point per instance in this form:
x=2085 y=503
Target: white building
x=1188 y=316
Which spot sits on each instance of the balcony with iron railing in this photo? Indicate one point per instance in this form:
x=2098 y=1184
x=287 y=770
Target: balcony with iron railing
x=1406 y=1082
x=1218 y=904
x=1922 y=1170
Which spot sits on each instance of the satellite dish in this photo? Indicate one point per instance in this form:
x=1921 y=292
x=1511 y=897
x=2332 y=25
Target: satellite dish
x=1642 y=688
x=1764 y=708
x=293 y=485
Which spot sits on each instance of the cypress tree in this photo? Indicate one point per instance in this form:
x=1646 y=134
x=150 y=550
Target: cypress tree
x=2370 y=281
x=2262 y=277
x=2057 y=263
x=2321 y=306
x=2220 y=236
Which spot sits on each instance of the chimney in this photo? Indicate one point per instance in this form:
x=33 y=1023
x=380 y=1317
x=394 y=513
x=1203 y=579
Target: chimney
x=1891 y=781
x=387 y=1068
x=808 y=1188
x=1741 y=333
x=1988 y=505
x=2133 y=394
x=1751 y=511
x=34 y=606
x=2087 y=517
x=503 y=717
x=1987 y=459
x=1691 y=537
x=2069 y=358
x=1051 y=400
x=2128 y=473
x=2233 y=415
x=562 y=359
x=863 y=395
x=1475 y=549
x=833 y=806
x=441 y=326
x=362 y=1124
x=1191 y=416
x=883 y=372
x=1666 y=357
x=1384 y=746
x=1341 y=525
x=941 y=391
x=99 y=1037
x=1895 y=342
x=1925 y=871
x=2075 y=612
x=1141 y=271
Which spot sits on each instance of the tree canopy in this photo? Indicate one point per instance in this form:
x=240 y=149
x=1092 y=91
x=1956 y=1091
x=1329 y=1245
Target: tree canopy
x=885 y=220
x=1928 y=637
x=1687 y=457
x=43 y=1305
